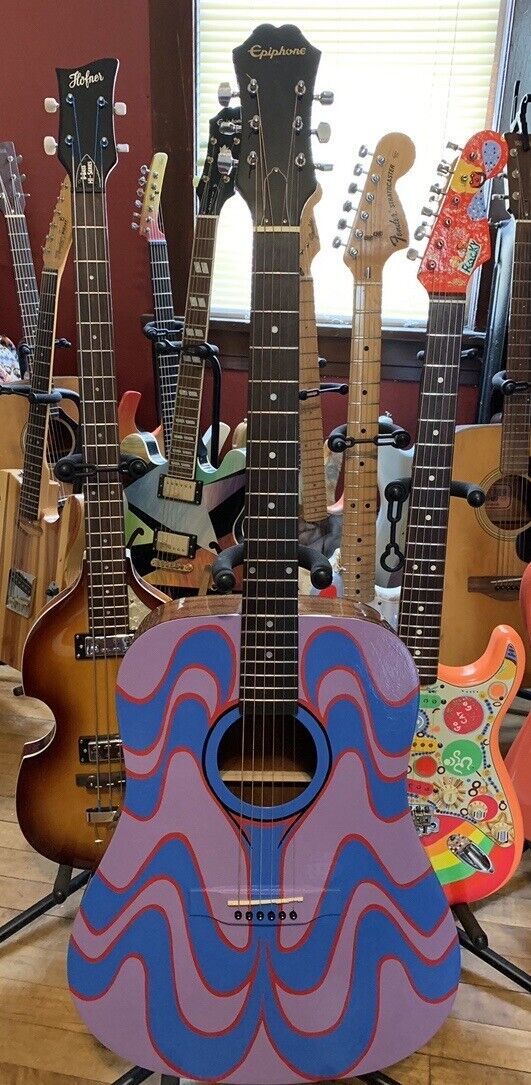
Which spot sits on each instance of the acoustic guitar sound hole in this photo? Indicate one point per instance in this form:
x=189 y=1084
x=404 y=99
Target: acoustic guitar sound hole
x=268 y=761
x=508 y=503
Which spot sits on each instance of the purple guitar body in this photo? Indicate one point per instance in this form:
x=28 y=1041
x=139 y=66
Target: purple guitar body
x=364 y=967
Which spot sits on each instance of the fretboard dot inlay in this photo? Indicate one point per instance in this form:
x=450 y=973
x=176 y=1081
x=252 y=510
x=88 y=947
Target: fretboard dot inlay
x=274 y=329
x=270 y=504
x=269 y=655
x=428 y=517
x=415 y=567
x=273 y=396
x=431 y=478
x=440 y=380
x=419 y=632
x=269 y=624
x=272 y=455
x=252 y=570
x=433 y=568
x=436 y=433
x=417 y=652
x=289 y=569
x=420 y=609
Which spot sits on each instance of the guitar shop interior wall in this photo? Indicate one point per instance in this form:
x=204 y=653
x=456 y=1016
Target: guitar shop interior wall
x=36 y=38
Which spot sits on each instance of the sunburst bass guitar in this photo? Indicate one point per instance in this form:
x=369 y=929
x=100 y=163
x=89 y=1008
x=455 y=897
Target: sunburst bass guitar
x=265 y=909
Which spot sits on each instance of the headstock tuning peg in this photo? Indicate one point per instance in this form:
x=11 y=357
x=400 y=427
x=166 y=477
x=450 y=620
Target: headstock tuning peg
x=144 y=170
x=142 y=182
x=322 y=132
x=136 y=214
x=347 y=206
x=337 y=243
x=51 y=105
x=325 y=167
x=230 y=128
x=421 y=232
x=326 y=97
x=120 y=109
x=428 y=211
x=19 y=158
x=225 y=93
x=226 y=162
x=140 y=191
x=453 y=146
x=22 y=177
x=135 y=225
x=122 y=148
x=437 y=190
x=352 y=187
x=50 y=144
x=443 y=168
x=138 y=203
x=364 y=151
x=358 y=171
x=412 y=254
x=342 y=224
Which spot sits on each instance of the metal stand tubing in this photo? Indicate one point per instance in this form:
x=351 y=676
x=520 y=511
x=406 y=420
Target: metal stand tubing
x=135 y=1076
x=470 y=925
x=378 y=1078
x=63 y=888
x=499 y=963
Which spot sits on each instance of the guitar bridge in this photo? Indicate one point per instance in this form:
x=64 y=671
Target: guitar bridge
x=89 y=647
x=20 y=592
x=102 y=815
x=180 y=489
x=505 y=588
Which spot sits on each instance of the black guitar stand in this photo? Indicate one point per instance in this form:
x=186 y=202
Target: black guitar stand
x=396 y=494
x=137 y=1075
x=223 y=579
x=331 y=386
x=473 y=938
x=74 y=469
x=388 y=434
x=507 y=385
x=64 y=886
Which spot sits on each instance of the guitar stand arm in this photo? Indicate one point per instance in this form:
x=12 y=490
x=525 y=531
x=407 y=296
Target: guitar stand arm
x=311 y=393
x=73 y=468
x=389 y=434
x=507 y=385
x=396 y=494
x=473 y=938
x=154 y=333
x=25 y=390
x=224 y=580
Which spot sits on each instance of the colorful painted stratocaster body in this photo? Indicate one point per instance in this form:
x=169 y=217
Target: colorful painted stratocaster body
x=518 y=759
x=462 y=800
x=457 y=784
x=267 y=999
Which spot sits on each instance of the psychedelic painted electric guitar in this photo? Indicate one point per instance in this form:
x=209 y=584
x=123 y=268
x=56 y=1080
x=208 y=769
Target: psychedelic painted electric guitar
x=265 y=907
x=462 y=799
x=518 y=759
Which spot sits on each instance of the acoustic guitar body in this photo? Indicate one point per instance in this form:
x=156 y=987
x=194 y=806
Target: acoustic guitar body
x=54 y=782
x=228 y=937
x=518 y=759
x=460 y=792
x=37 y=561
x=478 y=540
x=13 y=421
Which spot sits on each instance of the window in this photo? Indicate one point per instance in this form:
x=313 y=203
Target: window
x=394 y=65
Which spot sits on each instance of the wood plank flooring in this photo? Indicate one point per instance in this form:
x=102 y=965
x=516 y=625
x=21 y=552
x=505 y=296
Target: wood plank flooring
x=487 y=1040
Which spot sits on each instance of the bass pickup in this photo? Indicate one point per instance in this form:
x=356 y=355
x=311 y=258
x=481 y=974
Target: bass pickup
x=104 y=782
x=180 y=489
x=94 y=750
x=99 y=647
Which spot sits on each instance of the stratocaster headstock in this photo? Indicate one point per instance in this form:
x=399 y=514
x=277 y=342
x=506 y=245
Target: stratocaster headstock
x=86 y=146
x=380 y=226
x=12 y=197
x=148 y=199
x=459 y=241
x=276 y=69
x=217 y=181
x=59 y=237
x=519 y=175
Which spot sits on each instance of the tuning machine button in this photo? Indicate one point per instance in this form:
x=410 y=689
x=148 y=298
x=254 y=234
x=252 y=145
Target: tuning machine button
x=412 y=254
x=120 y=109
x=230 y=128
x=453 y=146
x=347 y=206
x=225 y=161
x=325 y=167
x=135 y=225
x=428 y=211
x=51 y=105
x=323 y=132
x=337 y=243
x=225 y=93
x=358 y=170
x=353 y=187
x=326 y=97
x=421 y=232
x=50 y=145
x=342 y=224
x=443 y=169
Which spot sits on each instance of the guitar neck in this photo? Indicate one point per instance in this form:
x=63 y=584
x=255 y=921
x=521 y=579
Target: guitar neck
x=515 y=424
x=185 y=426
x=25 y=278
x=270 y=595
x=107 y=590
x=423 y=580
x=358 y=547
x=41 y=382
x=311 y=415
x=166 y=364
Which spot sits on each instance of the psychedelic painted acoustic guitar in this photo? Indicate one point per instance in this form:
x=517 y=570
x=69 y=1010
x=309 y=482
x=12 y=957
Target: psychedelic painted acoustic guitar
x=265 y=911
x=462 y=799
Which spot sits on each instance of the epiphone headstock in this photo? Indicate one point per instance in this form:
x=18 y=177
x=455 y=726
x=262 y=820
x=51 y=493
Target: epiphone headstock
x=217 y=181
x=59 y=237
x=148 y=198
x=519 y=175
x=276 y=69
x=12 y=196
x=459 y=241
x=86 y=146
x=380 y=227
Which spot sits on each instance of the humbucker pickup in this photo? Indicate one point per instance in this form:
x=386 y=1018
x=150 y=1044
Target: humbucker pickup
x=88 y=647
x=94 y=750
x=176 y=544
x=20 y=592
x=180 y=489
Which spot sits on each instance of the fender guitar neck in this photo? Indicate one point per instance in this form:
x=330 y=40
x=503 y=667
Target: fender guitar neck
x=461 y=796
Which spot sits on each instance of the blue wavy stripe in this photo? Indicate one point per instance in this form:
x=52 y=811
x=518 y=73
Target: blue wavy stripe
x=393 y=730
x=423 y=903
x=345 y=731
x=189 y=730
x=140 y=724
x=200 y=1056
x=221 y=966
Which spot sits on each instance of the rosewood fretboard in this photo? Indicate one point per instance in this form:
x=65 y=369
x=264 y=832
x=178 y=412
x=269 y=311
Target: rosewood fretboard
x=25 y=278
x=166 y=364
x=423 y=580
x=515 y=426
x=38 y=415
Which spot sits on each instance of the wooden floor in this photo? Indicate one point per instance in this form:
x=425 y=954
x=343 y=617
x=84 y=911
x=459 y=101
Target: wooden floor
x=487 y=1041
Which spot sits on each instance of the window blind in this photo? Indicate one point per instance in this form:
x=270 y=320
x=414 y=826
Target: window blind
x=394 y=65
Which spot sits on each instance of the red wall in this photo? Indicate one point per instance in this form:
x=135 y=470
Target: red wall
x=37 y=37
